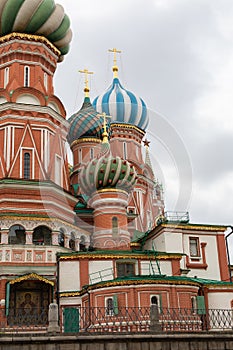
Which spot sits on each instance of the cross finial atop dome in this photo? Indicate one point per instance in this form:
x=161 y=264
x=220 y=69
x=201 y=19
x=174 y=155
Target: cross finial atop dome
x=86 y=89
x=115 y=67
x=105 y=133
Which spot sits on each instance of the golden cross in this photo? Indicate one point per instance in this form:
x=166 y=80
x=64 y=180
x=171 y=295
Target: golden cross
x=115 y=51
x=86 y=72
x=105 y=134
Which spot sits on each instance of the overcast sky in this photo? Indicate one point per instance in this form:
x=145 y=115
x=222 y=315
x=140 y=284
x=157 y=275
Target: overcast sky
x=178 y=56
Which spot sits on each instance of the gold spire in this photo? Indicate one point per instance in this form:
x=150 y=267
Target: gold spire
x=105 y=133
x=86 y=89
x=115 y=67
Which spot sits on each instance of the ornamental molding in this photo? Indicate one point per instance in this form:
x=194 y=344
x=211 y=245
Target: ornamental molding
x=30 y=223
x=30 y=38
x=31 y=276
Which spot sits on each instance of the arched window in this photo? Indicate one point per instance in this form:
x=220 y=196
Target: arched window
x=26 y=76
x=17 y=235
x=6 y=76
x=80 y=155
x=42 y=236
x=46 y=81
x=114 y=226
x=27 y=165
x=91 y=153
x=124 y=150
x=154 y=300
x=109 y=307
x=72 y=241
x=61 y=238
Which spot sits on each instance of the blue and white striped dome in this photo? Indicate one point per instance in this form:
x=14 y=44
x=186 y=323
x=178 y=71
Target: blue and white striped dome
x=122 y=105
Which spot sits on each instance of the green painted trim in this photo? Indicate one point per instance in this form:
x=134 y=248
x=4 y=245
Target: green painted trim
x=40 y=16
x=9 y=14
x=60 y=32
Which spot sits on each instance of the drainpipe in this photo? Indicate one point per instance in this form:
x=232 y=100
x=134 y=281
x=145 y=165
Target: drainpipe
x=58 y=278
x=228 y=253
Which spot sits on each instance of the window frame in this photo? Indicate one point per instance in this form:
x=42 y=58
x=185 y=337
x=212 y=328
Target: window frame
x=27 y=165
x=125 y=273
x=197 y=245
x=26 y=76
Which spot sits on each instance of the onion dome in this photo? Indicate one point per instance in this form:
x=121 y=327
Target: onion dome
x=37 y=17
x=85 y=123
x=123 y=105
x=107 y=172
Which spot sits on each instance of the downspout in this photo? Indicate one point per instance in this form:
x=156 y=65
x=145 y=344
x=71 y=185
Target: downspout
x=57 y=281
x=228 y=253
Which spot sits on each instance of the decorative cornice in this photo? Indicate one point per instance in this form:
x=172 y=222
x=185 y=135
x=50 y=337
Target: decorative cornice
x=22 y=218
x=85 y=139
x=128 y=126
x=31 y=276
x=195 y=227
x=128 y=283
x=110 y=256
x=30 y=37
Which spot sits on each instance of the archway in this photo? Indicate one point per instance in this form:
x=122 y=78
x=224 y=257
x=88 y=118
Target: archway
x=27 y=300
x=17 y=235
x=42 y=236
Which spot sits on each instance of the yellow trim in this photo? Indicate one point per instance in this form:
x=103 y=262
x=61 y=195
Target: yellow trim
x=111 y=190
x=128 y=126
x=30 y=37
x=194 y=227
x=118 y=256
x=85 y=139
x=31 y=276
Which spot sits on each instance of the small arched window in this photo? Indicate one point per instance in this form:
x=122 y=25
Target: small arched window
x=46 y=81
x=26 y=76
x=124 y=150
x=27 y=165
x=114 y=225
x=6 y=76
x=154 y=300
x=109 y=307
x=80 y=155
x=91 y=153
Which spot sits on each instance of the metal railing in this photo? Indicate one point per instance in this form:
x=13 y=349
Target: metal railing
x=132 y=319
x=119 y=320
x=20 y=320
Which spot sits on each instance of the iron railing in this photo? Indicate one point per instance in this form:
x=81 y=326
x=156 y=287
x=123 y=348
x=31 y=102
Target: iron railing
x=132 y=319
x=18 y=320
x=118 y=320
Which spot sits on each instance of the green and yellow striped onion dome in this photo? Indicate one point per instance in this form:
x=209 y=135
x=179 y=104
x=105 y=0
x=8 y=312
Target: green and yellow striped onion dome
x=36 y=17
x=107 y=172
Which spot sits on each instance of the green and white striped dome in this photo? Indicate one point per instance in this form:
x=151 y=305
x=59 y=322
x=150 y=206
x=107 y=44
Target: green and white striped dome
x=107 y=172
x=37 y=17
